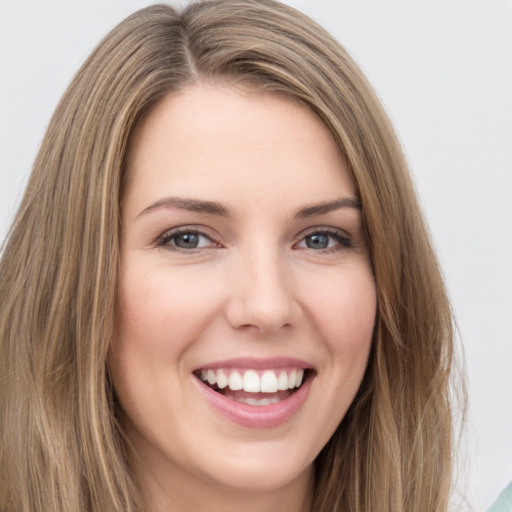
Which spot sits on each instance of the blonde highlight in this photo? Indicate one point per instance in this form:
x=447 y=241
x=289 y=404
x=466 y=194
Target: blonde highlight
x=61 y=445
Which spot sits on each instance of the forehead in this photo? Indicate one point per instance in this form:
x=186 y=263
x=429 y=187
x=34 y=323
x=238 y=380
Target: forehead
x=220 y=139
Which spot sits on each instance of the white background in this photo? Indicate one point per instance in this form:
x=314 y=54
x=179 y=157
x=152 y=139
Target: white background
x=443 y=69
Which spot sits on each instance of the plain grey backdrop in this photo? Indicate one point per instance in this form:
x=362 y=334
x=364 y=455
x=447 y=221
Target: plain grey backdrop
x=443 y=69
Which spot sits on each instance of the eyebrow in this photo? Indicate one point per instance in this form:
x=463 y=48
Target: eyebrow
x=329 y=206
x=215 y=208
x=191 y=205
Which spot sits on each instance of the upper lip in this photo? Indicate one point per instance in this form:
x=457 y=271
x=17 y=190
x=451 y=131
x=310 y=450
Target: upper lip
x=257 y=363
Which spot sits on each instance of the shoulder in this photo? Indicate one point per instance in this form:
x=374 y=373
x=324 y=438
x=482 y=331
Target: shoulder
x=504 y=501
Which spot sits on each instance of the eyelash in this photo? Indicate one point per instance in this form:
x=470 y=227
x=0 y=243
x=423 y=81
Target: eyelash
x=165 y=239
x=343 y=241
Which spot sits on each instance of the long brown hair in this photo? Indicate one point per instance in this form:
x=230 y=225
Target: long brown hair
x=60 y=443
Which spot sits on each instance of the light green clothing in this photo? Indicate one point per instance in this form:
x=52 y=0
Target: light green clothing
x=504 y=501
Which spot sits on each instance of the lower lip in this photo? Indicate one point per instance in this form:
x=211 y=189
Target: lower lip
x=262 y=416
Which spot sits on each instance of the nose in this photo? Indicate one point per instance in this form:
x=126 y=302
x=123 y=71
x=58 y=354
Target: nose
x=262 y=296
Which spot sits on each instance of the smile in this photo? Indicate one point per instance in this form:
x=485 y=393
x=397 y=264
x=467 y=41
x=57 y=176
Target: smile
x=253 y=387
x=256 y=396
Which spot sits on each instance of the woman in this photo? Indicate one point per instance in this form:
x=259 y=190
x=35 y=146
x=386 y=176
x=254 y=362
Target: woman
x=219 y=292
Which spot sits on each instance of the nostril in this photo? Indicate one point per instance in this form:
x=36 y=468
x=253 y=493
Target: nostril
x=246 y=318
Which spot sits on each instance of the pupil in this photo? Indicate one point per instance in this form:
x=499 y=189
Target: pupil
x=317 y=241
x=187 y=241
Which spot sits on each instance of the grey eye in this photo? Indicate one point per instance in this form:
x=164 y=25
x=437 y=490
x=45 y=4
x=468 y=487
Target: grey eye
x=322 y=240
x=187 y=240
x=318 y=241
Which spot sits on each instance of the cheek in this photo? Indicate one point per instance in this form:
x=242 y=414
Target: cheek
x=160 y=316
x=344 y=311
x=159 y=306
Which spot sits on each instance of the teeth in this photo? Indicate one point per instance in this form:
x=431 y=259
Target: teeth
x=222 y=380
x=282 y=381
x=235 y=381
x=255 y=401
x=252 y=381
x=292 y=379
x=211 y=377
x=298 y=378
x=268 y=382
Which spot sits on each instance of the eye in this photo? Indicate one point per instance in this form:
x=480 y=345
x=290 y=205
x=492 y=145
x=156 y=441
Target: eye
x=325 y=239
x=185 y=239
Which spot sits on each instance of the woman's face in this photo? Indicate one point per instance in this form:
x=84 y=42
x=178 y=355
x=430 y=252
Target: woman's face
x=244 y=268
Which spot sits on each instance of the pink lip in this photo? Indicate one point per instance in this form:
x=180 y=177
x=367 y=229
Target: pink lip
x=257 y=363
x=267 y=416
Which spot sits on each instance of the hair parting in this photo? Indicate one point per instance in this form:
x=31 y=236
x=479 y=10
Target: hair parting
x=61 y=443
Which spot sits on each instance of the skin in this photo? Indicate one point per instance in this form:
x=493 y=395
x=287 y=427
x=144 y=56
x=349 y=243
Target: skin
x=254 y=287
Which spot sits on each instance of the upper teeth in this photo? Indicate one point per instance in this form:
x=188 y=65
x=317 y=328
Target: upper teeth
x=254 y=381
